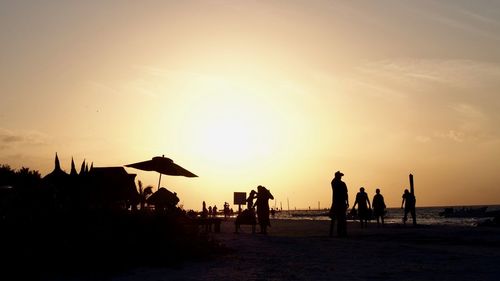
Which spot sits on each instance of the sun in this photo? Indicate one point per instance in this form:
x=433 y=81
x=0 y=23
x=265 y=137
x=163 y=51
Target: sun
x=231 y=137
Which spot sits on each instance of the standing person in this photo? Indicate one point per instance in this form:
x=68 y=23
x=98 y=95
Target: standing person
x=409 y=206
x=251 y=197
x=214 y=211
x=226 y=210
x=262 y=203
x=378 y=207
x=340 y=203
x=204 y=211
x=204 y=216
x=364 y=207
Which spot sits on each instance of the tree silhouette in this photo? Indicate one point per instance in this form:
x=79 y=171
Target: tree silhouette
x=144 y=193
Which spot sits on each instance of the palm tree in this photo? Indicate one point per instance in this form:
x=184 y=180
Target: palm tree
x=144 y=193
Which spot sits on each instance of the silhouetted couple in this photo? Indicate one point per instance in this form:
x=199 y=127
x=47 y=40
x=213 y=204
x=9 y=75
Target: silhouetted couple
x=248 y=216
x=340 y=203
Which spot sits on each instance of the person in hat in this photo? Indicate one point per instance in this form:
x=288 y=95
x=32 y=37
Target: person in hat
x=340 y=203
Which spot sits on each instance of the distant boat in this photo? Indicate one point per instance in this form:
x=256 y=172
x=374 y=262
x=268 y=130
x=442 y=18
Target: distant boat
x=464 y=212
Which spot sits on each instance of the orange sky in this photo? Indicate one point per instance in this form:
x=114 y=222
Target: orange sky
x=273 y=93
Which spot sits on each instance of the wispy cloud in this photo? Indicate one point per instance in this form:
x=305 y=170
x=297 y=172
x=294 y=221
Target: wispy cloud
x=10 y=139
x=459 y=96
x=458 y=17
x=421 y=72
x=479 y=17
x=453 y=135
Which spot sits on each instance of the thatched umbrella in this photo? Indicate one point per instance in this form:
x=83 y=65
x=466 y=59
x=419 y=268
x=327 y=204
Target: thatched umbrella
x=163 y=199
x=162 y=165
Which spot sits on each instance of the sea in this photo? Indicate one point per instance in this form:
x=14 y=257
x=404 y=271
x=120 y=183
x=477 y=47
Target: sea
x=425 y=215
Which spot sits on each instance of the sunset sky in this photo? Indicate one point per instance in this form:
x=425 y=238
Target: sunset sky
x=247 y=93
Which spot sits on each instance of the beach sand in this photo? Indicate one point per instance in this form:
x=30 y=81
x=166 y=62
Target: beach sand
x=302 y=250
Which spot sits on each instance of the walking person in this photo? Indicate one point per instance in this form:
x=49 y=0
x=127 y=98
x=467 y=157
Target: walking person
x=364 y=207
x=378 y=207
x=340 y=203
x=409 y=206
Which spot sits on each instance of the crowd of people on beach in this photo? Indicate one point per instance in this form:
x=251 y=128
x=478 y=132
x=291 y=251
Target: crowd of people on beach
x=340 y=204
x=366 y=210
x=213 y=212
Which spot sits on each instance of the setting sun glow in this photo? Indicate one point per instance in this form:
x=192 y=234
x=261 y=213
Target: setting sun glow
x=247 y=93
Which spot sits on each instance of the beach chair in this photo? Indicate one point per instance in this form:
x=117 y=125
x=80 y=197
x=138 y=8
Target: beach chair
x=247 y=217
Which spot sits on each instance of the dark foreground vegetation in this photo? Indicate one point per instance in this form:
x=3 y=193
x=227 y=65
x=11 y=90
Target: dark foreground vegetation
x=43 y=236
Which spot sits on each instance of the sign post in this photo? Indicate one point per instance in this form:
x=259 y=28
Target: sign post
x=239 y=198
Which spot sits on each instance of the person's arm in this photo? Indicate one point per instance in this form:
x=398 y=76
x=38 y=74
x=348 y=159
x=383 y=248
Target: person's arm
x=402 y=203
x=368 y=200
x=347 y=199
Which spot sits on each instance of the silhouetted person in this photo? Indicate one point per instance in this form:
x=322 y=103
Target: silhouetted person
x=247 y=216
x=251 y=197
x=226 y=210
x=340 y=203
x=204 y=211
x=378 y=207
x=262 y=203
x=204 y=215
x=409 y=206
x=214 y=211
x=364 y=207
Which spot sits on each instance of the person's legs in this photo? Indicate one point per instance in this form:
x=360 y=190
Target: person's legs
x=414 y=216
x=361 y=214
x=332 y=225
x=341 y=224
x=262 y=228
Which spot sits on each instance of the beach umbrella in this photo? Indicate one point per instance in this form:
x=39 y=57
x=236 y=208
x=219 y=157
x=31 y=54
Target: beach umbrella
x=162 y=165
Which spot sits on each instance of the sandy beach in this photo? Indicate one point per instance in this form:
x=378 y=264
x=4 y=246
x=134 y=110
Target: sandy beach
x=302 y=250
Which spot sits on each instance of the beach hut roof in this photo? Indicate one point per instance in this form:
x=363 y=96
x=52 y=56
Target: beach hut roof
x=114 y=183
x=73 y=168
x=57 y=174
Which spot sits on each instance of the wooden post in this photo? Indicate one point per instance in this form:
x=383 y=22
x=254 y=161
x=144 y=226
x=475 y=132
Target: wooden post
x=412 y=189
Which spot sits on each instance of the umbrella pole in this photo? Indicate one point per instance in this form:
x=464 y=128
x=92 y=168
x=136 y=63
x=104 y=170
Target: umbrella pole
x=159 y=181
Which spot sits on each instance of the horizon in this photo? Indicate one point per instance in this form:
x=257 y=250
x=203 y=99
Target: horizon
x=281 y=94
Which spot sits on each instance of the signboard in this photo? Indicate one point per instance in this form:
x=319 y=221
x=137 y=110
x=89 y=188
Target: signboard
x=240 y=198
